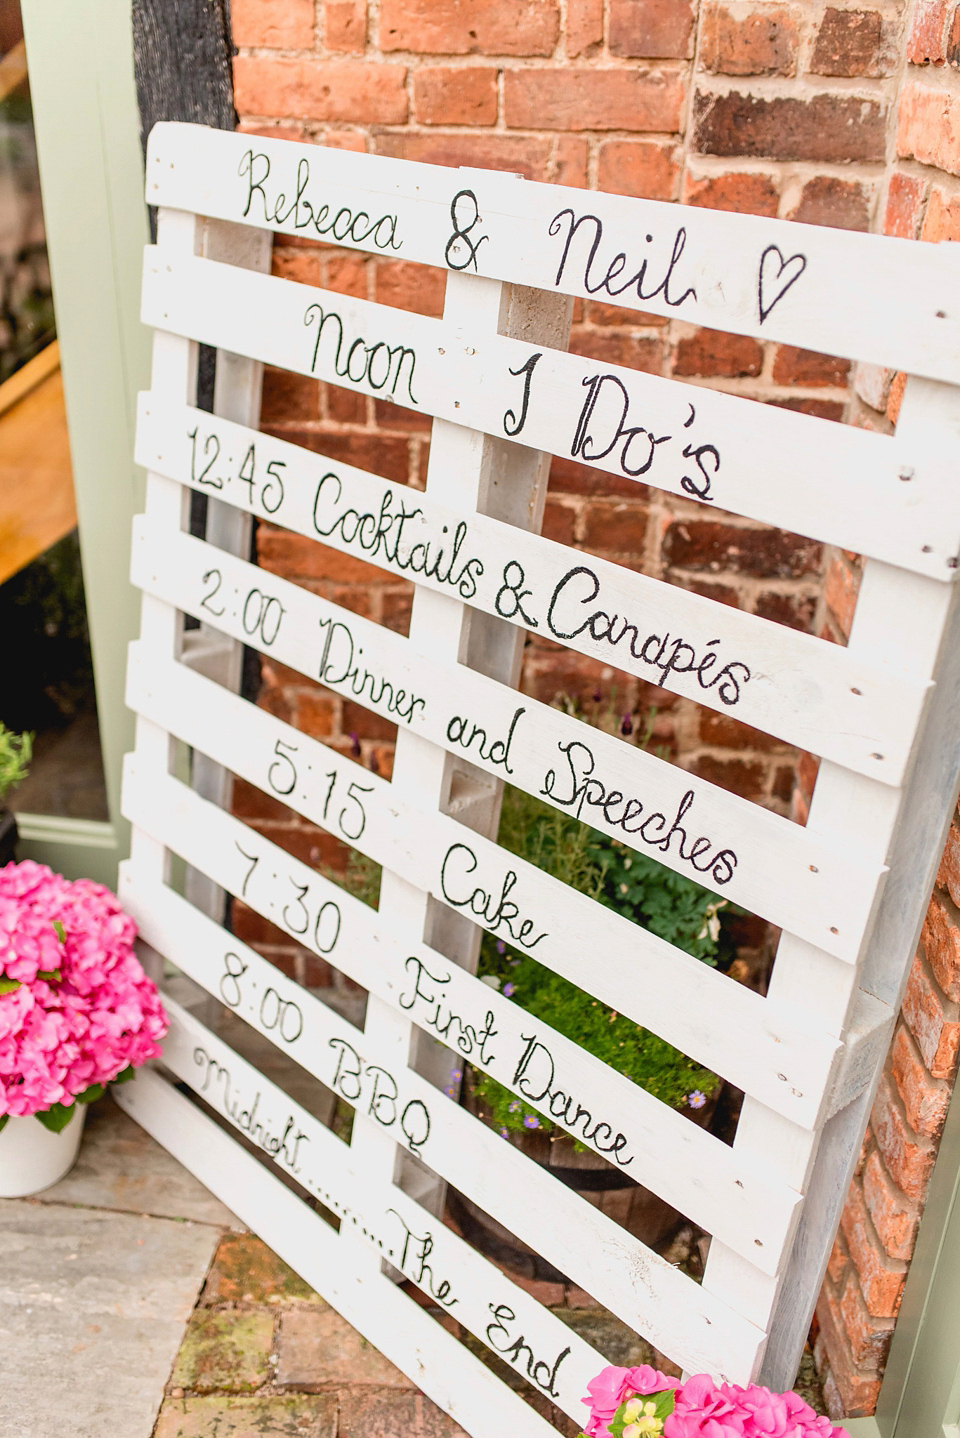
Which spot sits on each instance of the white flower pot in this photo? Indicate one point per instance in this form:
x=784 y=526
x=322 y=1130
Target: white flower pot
x=32 y=1158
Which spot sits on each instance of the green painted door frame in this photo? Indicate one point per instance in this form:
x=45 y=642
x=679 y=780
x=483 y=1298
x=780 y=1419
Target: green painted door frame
x=80 y=58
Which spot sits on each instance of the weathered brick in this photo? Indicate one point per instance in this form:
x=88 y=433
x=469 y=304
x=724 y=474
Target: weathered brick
x=929 y=126
x=905 y=200
x=349 y=90
x=375 y=1415
x=283 y=1415
x=584 y=25
x=288 y=396
x=897 y=386
x=738 y=776
x=226 y=1351
x=462 y=96
x=794 y=610
x=941 y=943
x=764 y=553
x=925 y=1099
x=934 y=1021
x=317 y=1348
x=645 y=168
x=881 y=1277
x=570 y=162
x=868 y=1337
x=825 y=128
x=651 y=29
x=385 y=455
x=568 y=477
x=894 y=1217
x=872 y=384
x=819 y=408
x=345 y=25
x=465 y=27
x=825 y=200
x=409 y=286
x=925 y=43
x=724 y=732
x=559 y=522
x=953 y=40
x=942 y=219
x=715 y=353
x=841 y=592
x=847 y=1390
x=762 y=43
x=296 y=557
x=273 y=24
x=302 y=266
x=249 y=802
x=909 y=1158
x=575 y=99
x=848 y=43
x=948 y=876
x=838 y=1261
x=524 y=154
x=796 y=366
x=746 y=194
x=643 y=352
x=245 y=1270
x=618 y=527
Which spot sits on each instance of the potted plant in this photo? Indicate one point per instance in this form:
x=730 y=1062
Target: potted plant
x=77 y=1012
x=16 y=751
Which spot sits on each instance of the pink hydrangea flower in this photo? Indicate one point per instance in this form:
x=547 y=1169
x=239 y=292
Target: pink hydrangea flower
x=613 y=1386
x=83 y=1009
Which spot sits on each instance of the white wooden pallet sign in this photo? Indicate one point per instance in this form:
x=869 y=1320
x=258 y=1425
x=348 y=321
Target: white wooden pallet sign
x=848 y=890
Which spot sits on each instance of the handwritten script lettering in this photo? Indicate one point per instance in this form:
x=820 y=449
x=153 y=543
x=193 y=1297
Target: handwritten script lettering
x=381 y=536
x=374 y=364
x=620 y=811
x=539 y=1371
x=459 y=863
x=340 y=664
x=593 y=283
x=217 y=1081
x=345 y=224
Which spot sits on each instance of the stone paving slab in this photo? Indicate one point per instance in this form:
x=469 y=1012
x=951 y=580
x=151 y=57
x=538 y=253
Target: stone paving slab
x=93 y=1307
x=122 y=1167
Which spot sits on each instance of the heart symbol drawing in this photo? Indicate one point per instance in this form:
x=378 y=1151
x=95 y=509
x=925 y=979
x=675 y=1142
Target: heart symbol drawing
x=779 y=274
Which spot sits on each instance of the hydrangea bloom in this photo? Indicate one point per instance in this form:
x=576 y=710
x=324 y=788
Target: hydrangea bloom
x=76 y=1008
x=620 y=1407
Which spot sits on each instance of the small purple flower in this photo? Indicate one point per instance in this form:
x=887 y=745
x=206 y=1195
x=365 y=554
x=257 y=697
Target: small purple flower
x=355 y=746
x=503 y=1133
x=626 y=726
x=456 y=1076
x=697 y=1099
x=509 y=990
x=597 y=696
x=531 y=1121
x=516 y=1106
x=501 y=947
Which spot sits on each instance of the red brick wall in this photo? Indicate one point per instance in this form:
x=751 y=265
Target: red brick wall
x=830 y=115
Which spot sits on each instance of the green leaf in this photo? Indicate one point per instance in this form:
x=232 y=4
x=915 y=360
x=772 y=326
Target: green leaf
x=91 y=1094
x=125 y=1075
x=60 y=931
x=8 y=986
x=3 y=1121
x=663 y=1405
x=56 y=1117
x=52 y=976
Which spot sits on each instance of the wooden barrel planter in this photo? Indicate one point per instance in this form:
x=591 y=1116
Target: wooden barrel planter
x=641 y=1212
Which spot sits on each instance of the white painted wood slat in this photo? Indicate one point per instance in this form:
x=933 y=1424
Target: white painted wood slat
x=868 y=297
x=772 y=866
x=706 y=1015
x=636 y=1284
x=789 y=684
x=620 y=1121
x=834 y=483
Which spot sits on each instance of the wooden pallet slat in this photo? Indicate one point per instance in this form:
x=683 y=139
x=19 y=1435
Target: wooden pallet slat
x=800 y=473
x=867 y=297
x=847 y=889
